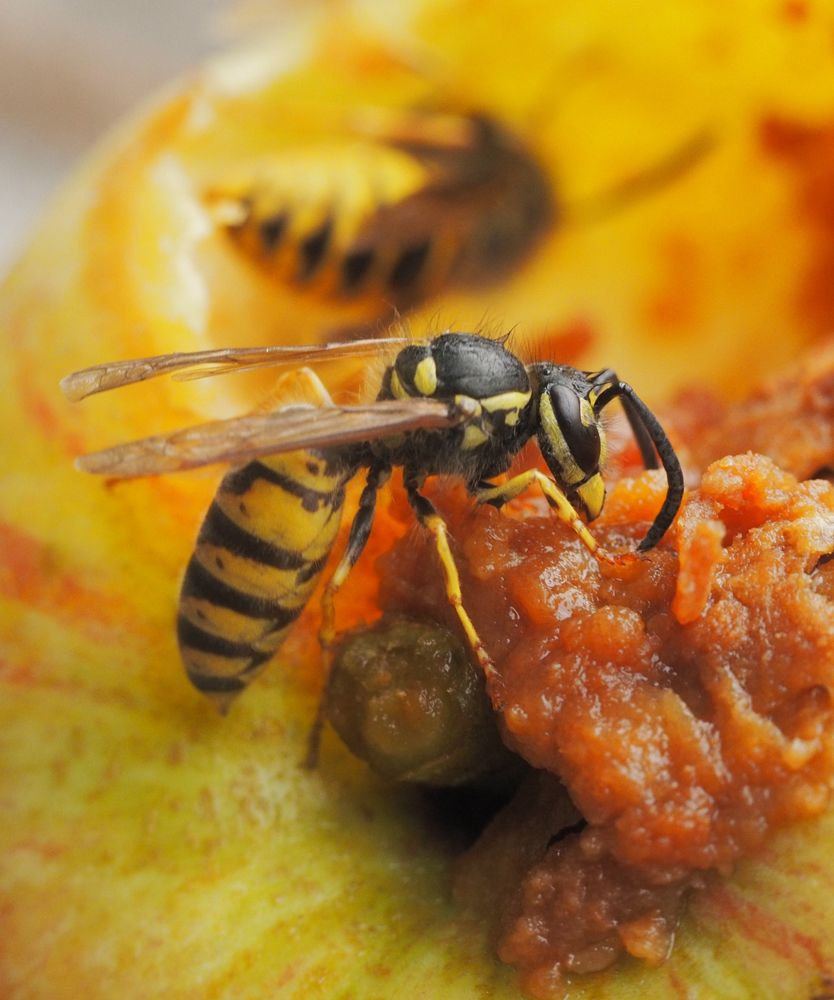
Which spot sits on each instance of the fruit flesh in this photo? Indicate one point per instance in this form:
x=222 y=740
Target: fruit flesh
x=686 y=708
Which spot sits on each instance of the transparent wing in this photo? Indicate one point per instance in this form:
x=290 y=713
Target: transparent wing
x=244 y=438
x=201 y=364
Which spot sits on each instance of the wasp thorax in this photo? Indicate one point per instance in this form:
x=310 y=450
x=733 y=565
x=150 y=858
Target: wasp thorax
x=460 y=364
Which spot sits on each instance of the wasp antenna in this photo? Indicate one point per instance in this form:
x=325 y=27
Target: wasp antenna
x=651 y=427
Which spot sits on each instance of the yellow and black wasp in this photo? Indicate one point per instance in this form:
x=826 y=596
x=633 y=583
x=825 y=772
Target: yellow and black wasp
x=457 y=404
x=409 y=204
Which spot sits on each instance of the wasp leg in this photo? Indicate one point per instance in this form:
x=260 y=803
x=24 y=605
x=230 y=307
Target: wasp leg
x=501 y=494
x=360 y=531
x=428 y=516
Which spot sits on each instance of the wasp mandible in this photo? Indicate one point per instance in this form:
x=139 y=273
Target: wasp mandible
x=457 y=404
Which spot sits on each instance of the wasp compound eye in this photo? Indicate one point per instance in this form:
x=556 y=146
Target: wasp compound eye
x=578 y=426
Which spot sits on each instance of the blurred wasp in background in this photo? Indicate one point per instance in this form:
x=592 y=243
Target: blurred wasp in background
x=410 y=204
x=415 y=203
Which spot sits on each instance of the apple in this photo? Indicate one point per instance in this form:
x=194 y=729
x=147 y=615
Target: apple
x=149 y=847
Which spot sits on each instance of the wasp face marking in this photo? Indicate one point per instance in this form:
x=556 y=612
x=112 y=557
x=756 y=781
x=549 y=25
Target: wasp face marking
x=578 y=427
x=425 y=377
x=592 y=496
x=571 y=437
x=555 y=447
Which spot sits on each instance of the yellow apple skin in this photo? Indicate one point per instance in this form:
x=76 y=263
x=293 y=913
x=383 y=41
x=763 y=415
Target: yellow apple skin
x=149 y=848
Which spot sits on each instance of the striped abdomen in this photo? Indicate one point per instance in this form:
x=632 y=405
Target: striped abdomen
x=259 y=554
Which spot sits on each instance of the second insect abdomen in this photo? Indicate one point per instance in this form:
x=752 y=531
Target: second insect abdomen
x=259 y=554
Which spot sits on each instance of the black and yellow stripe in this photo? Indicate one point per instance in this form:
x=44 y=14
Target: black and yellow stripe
x=262 y=547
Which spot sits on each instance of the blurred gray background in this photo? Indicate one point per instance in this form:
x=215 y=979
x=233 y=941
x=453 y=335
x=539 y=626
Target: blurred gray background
x=68 y=70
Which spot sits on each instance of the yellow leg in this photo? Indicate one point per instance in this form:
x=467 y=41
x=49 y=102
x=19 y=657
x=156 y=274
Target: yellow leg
x=563 y=507
x=433 y=522
x=437 y=526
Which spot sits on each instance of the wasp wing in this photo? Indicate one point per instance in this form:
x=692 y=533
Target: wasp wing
x=201 y=364
x=244 y=438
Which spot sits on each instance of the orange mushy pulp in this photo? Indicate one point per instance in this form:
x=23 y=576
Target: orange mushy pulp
x=684 y=703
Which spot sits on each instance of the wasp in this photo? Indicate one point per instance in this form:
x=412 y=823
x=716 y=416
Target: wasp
x=456 y=404
x=414 y=201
